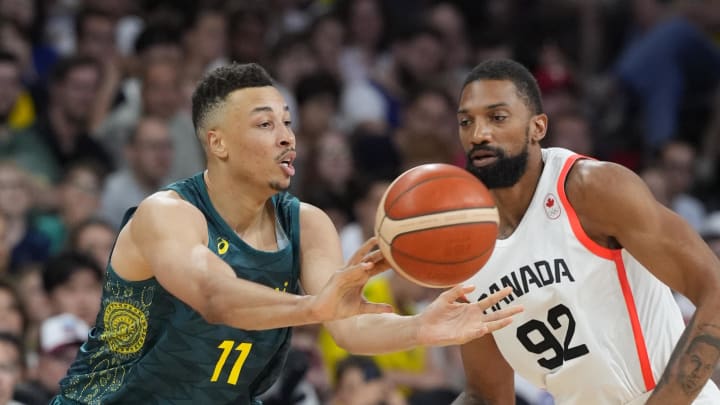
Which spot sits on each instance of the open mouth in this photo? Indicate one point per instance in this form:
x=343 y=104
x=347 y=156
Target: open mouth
x=483 y=157
x=286 y=163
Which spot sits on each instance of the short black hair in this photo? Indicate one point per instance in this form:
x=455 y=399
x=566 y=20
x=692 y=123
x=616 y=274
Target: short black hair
x=156 y=34
x=217 y=84
x=506 y=69
x=62 y=68
x=58 y=270
x=86 y=14
x=366 y=365
x=317 y=84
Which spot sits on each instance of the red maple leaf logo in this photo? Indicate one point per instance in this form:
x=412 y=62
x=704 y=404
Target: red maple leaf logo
x=549 y=203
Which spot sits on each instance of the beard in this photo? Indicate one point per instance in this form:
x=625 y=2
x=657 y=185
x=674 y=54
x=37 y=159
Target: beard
x=505 y=172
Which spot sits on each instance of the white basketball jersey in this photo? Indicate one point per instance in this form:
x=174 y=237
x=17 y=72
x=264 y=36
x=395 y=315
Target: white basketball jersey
x=598 y=328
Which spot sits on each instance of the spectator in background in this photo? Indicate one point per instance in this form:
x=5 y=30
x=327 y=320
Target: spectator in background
x=29 y=284
x=94 y=237
x=205 y=42
x=376 y=101
x=29 y=152
x=78 y=198
x=249 y=31
x=668 y=66
x=366 y=195
x=425 y=134
x=60 y=338
x=95 y=38
x=359 y=381
x=292 y=59
x=677 y=159
x=66 y=128
x=449 y=21
x=571 y=130
x=366 y=27
x=149 y=153
x=26 y=243
x=329 y=174
x=161 y=97
x=326 y=37
x=73 y=283
x=13 y=319
x=29 y=18
x=317 y=96
x=12 y=367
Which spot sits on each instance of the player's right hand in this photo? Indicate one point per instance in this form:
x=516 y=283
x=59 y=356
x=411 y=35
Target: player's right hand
x=342 y=296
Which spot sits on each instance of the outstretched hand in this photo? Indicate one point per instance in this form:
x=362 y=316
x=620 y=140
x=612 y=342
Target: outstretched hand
x=342 y=296
x=448 y=321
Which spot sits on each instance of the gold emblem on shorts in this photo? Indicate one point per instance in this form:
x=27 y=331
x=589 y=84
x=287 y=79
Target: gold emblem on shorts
x=125 y=328
x=222 y=245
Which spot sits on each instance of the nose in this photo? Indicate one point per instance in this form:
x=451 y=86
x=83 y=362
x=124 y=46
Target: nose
x=287 y=137
x=481 y=134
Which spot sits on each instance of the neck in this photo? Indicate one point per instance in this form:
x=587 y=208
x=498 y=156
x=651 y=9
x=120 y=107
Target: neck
x=241 y=207
x=513 y=202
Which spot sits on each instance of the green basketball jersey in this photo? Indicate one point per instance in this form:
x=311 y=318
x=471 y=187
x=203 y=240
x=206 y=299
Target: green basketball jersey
x=148 y=347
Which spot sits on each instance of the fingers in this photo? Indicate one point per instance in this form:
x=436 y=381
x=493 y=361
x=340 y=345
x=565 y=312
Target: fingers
x=495 y=325
x=495 y=298
x=363 y=250
x=457 y=293
x=361 y=272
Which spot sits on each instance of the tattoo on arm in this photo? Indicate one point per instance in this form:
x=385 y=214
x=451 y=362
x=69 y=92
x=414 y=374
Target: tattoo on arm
x=692 y=363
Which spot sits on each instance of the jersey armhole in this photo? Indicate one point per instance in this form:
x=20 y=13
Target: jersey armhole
x=578 y=231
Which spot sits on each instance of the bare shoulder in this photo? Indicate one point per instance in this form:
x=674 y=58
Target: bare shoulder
x=595 y=179
x=163 y=217
x=165 y=209
x=608 y=196
x=312 y=217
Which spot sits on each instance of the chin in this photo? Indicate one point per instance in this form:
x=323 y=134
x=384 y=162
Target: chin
x=280 y=186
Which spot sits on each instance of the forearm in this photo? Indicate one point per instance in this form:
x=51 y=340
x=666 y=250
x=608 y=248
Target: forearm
x=246 y=305
x=694 y=358
x=376 y=333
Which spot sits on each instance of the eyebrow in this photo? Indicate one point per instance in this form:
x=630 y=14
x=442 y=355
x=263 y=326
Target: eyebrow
x=487 y=107
x=266 y=109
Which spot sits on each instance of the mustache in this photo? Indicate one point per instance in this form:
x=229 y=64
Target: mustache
x=487 y=148
x=284 y=153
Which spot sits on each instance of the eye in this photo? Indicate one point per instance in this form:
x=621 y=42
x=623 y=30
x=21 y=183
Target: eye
x=287 y=123
x=499 y=117
x=266 y=124
x=464 y=122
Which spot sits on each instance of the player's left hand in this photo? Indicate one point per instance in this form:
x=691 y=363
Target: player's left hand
x=448 y=321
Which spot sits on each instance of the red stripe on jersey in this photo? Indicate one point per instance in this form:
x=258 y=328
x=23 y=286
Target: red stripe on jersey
x=616 y=256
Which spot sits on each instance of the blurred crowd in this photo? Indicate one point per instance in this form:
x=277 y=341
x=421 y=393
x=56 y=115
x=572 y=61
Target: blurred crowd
x=95 y=116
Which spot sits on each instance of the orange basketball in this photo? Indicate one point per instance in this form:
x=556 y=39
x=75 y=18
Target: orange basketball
x=436 y=225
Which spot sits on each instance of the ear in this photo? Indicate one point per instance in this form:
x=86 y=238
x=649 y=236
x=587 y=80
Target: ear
x=216 y=143
x=538 y=127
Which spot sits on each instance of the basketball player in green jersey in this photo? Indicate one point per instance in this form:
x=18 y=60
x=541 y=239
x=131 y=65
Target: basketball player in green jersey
x=205 y=278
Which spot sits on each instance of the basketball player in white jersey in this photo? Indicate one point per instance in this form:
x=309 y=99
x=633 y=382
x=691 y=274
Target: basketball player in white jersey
x=591 y=256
